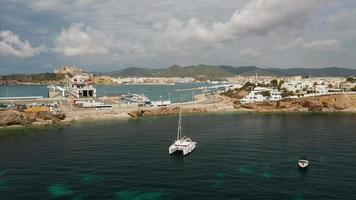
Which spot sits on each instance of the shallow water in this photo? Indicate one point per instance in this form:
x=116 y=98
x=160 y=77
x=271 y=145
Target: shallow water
x=239 y=156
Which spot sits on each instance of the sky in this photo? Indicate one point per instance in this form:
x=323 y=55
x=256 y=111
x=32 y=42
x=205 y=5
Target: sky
x=42 y=35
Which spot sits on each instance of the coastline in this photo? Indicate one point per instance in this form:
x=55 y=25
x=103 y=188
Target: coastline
x=203 y=104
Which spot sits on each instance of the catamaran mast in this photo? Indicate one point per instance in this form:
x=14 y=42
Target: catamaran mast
x=179 y=124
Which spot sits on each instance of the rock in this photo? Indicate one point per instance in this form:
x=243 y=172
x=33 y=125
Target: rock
x=135 y=113
x=315 y=108
x=14 y=117
x=163 y=111
x=11 y=117
x=313 y=104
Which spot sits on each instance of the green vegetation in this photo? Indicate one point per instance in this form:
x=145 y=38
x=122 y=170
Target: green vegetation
x=280 y=84
x=266 y=93
x=285 y=93
x=32 y=78
x=274 y=83
x=240 y=92
x=351 y=79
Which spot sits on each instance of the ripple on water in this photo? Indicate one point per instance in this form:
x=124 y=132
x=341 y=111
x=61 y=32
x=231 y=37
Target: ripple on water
x=79 y=197
x=59 y=190
x=245 y=170
x=267 y=175
x=265 y=165
x=88 y=178
x=137 y=195
x=221 y=174
x=298 y=197
x=2 y=185
x=2 y=172
x=219 y=180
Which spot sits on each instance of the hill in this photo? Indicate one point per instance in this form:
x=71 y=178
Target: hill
x=217 y=72
x=196 y=71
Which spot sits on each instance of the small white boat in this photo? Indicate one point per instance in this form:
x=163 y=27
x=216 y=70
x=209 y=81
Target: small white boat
x=184 y=144
x=303 y=162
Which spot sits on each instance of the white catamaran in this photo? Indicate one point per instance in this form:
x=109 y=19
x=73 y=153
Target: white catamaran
x=184 y=144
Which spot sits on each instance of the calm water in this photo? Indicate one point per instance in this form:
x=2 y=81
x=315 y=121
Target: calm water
x=239 y=156
x=152 y=91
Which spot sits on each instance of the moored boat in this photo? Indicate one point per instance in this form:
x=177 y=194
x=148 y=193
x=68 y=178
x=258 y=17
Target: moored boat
x=303 y=163
x=184 y=144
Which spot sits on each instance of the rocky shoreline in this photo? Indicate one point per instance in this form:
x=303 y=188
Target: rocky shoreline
x=327 y=103
x=330 y=103
x=15 y=118
x=165 y=111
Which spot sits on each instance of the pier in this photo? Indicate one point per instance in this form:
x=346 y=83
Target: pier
x=26 y=98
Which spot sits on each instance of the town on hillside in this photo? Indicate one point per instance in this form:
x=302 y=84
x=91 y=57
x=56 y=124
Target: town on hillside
x=73 y=96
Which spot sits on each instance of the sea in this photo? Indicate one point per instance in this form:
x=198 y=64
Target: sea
x=180 y=92
x=244 y=156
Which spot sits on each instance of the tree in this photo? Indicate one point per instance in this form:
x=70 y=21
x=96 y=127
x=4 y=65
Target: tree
x=248 y=86
x=350 y=79
x=280 y=84
x=287 y=93
x=266 y=93
x=274 y=83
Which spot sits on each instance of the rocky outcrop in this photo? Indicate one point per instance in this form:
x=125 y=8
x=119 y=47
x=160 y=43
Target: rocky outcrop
x=13 y=117
x=312 y=104
x=164 y=111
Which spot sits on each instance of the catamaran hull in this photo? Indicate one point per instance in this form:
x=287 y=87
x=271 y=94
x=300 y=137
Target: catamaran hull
x=172 y=149
x=188 y=150
x=184 y=150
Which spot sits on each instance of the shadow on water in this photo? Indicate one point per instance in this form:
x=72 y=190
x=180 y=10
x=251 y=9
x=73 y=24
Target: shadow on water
x=179 y=157
x=303 y=171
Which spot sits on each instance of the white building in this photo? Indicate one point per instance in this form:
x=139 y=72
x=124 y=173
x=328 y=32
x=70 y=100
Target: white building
x=82 y=87
x=323 y=89
x=256 y=95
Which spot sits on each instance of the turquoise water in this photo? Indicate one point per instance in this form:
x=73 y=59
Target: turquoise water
x=239 y=156
x=152 y=91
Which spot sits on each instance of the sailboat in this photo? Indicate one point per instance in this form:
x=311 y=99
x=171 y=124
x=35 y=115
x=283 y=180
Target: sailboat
x=184 y=144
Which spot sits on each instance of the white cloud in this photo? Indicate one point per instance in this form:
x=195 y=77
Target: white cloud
x=179 y=36
x=292 y=44
x=324 y=45
x=250 y=53
x=76 y=42
x=47 y=5
x=12 y=45
x=159 y=33
x=343 y=21
x=315 y=45
x=259 y=17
